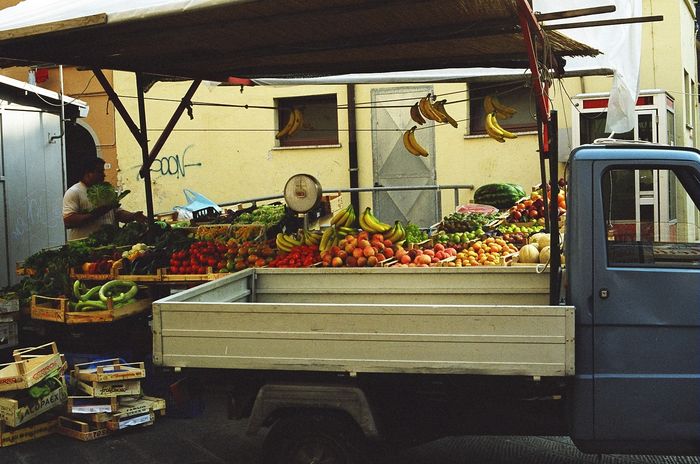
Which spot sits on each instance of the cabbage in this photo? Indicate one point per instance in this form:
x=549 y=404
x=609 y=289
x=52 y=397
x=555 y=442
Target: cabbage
x=104 y=194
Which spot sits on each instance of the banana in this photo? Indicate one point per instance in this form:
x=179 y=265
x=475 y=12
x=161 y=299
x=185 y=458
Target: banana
x=326 y=239
x=491 y=130
x=341 y=216
x=288 y=126
x=415 y=114
x=501 y=131
x=394 y=233
x=426 y=108
x=281 y=244
x=416 y=148
x=488 y=104
x=372 y=222
x=311 y=238
x=439 y=106
x=502 y=109
x=347 y=230
x=350 y=223
x=363 y=221
x=298 y=121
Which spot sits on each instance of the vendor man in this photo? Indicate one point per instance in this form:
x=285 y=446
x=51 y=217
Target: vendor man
x=79 y=217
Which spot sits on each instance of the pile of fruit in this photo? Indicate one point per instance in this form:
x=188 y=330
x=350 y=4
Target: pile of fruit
x=200 y=258
x=298 y=256
x=363 y=250
x=425 y=257
x=248 y=254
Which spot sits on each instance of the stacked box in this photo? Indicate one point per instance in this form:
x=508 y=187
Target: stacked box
x=30 y=388
x=113 y=402
x=9 y=314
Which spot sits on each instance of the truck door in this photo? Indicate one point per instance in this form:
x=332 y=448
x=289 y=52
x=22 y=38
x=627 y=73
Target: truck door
x=646 y=308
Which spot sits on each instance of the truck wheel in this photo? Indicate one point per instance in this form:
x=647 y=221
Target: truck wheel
x=314 y=439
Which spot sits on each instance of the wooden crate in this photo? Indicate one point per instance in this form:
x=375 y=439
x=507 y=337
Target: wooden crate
x=110 y=314
x=81 y=430
x=132 y=406
x=9 y=305
x=208 y=276
x=119 y=422
x=75 y=275
x=48 y=308
x=17 y=411
x=107 y=389
x=118 y=274
x=91 y=408
x=9 y=337
x=31 y=431
x=30 y=367
x=108 y=370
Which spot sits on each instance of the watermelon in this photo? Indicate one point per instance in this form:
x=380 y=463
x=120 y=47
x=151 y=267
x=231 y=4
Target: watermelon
x=502 y=195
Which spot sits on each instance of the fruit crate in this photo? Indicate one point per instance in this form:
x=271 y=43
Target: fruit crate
x=117 y=274
x=40 y=427
x=212 y=231
x=20 y=270
x=107 y=370
x=168 y=277
x=30 y=366
x=56 y=310
x=254 y=232
x=91 y=408
x=80 y=430
x=76 y=275
x=17 y=411
x=120 y=422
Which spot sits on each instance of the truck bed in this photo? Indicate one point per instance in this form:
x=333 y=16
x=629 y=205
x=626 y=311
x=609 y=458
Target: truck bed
x=488 y=321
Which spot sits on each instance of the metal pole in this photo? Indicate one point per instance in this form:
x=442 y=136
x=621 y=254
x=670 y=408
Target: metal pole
x=352 y=147
x=143 y=141
x=554 y=256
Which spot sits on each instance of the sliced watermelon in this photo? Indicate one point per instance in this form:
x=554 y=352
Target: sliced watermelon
x=476 y=208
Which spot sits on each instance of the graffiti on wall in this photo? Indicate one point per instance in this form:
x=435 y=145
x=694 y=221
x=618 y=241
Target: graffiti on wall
x=170 y=165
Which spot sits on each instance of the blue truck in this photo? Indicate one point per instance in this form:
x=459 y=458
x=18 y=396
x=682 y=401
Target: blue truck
x=604 y=349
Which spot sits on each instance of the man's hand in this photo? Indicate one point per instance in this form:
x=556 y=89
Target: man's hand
x=138 y=216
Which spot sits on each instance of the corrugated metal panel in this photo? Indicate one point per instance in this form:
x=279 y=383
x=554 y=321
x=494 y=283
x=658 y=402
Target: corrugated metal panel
x=33 y=184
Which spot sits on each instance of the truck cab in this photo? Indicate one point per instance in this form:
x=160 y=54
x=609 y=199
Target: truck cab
x=635 y=283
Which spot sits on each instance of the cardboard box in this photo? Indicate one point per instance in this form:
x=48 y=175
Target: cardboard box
x=8 y=335
x=17 y=411
x=123 y=422
x=31 y=431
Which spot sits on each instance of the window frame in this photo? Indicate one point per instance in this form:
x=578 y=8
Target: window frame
x=476 y=92
x=284 y=106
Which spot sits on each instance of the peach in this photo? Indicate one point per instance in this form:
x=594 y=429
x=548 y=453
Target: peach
x=389 y=252
x=349 y=248
x=439 y=247
x=364 y=243
x=405 y=259
x=361 y=261
x=369 y=251
x=429 y=252
x=342 y=254
x=372 y=261
x=380 y=257
x=336 y=262
x=351 y=261
x=377 y=238
x=357 y=252
x=388 y=243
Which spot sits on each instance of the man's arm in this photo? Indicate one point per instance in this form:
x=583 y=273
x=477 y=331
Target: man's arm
x=123 y=215
x=76 y=219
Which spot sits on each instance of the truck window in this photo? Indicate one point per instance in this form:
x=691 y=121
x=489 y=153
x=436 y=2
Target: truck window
x=651 y=219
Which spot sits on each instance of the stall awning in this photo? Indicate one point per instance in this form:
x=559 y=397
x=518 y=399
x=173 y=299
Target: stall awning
x=217 y=39
x=22 y=93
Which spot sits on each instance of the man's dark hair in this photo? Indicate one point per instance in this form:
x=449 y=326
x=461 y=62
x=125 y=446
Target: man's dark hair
x=92 y=164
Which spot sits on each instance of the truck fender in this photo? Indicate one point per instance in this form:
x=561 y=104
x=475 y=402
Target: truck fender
x=272 y=399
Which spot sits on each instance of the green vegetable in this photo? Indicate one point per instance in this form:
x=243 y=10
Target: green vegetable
x=91 y=294
x=111 y=288
x=90 y=305
x=77 y=287
x=104 y=194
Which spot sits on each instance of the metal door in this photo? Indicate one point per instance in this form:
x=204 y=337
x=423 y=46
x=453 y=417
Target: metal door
x=394 y=166
x=646 y=324
x=33 y=171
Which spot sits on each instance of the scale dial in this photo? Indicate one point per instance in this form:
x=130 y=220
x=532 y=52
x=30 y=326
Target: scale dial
x=302 y=192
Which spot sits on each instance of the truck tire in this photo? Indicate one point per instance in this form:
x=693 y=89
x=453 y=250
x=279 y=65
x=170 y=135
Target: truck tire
x=315 y=438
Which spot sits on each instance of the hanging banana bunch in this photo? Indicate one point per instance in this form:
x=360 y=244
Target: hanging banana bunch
x=411 y=144
x=496 y=110
x=296 y=119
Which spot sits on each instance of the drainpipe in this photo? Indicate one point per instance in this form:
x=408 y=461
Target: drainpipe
x=352 y=146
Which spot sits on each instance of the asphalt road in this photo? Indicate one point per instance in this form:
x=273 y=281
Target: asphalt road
x=211 y=438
